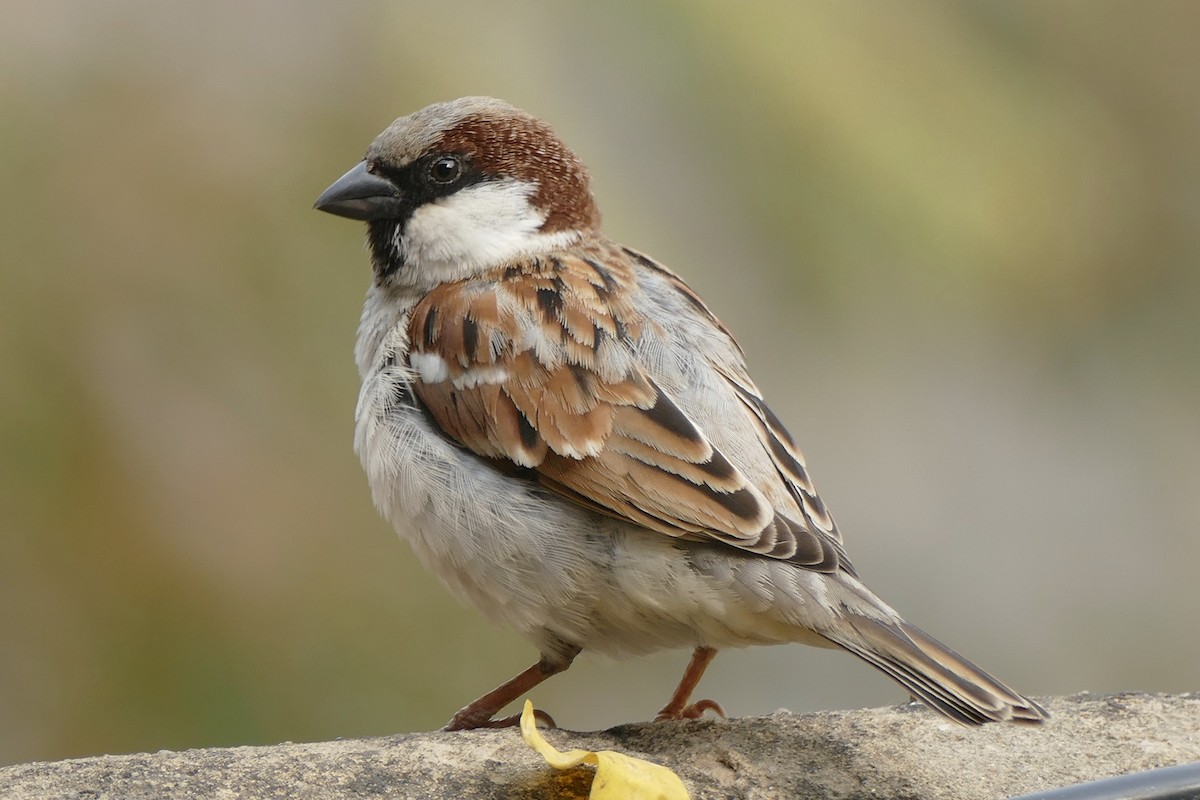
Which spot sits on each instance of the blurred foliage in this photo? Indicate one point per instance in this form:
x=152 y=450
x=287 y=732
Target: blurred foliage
x=958 y=240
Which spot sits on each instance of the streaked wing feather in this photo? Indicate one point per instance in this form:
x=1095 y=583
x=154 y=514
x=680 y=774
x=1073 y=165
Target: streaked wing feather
x=534 y=363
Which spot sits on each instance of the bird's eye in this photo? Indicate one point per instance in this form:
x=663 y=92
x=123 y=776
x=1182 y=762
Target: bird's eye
x=445 y=169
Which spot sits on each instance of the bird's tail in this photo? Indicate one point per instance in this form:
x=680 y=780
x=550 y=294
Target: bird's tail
x=934 y=673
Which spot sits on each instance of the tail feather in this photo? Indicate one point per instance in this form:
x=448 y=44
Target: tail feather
x=936 y=674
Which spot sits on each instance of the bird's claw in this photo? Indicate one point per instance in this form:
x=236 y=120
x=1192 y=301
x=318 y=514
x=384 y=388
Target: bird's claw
x=693 y=711
x=471 y=721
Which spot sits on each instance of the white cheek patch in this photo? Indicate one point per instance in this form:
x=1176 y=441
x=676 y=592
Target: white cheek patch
x=475 y=228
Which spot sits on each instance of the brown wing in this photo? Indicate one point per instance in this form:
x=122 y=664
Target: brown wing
x=786 y=456
x=533 y=365
x=774 y=437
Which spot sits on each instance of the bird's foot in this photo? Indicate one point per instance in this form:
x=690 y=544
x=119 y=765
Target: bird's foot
x=465 y=720
x=692 y=711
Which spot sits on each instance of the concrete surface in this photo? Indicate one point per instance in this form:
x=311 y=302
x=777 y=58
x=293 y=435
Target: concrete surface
x=895 y=752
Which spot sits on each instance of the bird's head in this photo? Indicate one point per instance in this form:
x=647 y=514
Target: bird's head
x=459 y=188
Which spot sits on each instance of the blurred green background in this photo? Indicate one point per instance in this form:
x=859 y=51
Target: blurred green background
x=960 y=243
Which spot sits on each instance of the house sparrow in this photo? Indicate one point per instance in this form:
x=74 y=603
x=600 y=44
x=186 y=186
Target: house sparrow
x=570 y=439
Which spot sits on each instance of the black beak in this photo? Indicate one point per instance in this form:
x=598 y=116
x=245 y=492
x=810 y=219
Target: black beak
x=360 y=195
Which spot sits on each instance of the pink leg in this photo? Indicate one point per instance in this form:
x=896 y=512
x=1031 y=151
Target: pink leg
x=678 y=707
x=479 y=714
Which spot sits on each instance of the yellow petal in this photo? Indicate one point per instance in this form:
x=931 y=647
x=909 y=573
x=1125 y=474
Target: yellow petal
x=618 y=777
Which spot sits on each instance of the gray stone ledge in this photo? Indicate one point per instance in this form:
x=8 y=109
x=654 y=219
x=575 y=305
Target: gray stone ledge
x=895 y=752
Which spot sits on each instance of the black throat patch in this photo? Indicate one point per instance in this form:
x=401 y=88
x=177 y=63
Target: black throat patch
x=387 y=246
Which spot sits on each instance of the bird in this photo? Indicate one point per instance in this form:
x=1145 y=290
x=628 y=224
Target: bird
x=570 y=439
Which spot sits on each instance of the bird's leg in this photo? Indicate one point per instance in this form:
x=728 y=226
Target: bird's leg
x=479 y=713
x=679 y=708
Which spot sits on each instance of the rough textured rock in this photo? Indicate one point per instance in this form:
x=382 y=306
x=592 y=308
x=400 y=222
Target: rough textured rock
x=901 y=752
